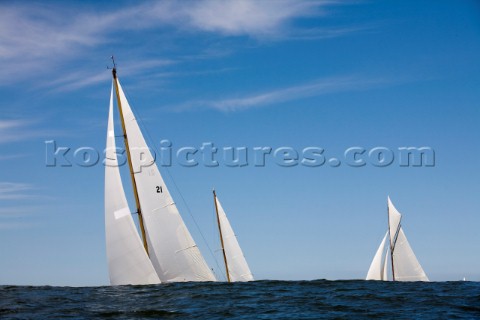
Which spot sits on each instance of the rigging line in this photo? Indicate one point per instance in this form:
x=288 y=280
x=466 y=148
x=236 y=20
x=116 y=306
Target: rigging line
x=139 y=118
x=396 y=235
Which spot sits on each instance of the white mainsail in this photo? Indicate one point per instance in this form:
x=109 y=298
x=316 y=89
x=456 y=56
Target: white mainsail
x=128 y=263
x=405 y=264
x=172 y=249
x=237 y=265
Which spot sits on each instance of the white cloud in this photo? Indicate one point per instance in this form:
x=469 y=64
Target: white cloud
x=316 y=88
x=84 y=78
x=9 y=124
x=17 y=216
x=16 y=225
x=249 y=17
x=13 y=130
x=15 y=190
x=18 y=211
x=40 y=37
x=13 y=156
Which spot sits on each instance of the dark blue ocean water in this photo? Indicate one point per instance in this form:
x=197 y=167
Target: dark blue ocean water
x=318 y=299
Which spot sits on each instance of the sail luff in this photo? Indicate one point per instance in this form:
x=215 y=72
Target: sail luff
x=128 y=262
x=221 y=237
x=390 y=240
x=129 y=159
x=385 y=266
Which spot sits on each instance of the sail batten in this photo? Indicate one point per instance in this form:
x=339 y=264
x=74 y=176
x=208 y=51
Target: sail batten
x=128 y=262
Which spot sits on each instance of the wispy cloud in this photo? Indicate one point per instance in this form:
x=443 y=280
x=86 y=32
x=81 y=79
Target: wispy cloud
x=14 y=130
x=315 y=88
x=329 y=32
x=84 y=78
x=16 y=225
x=249 y=17
x=13 y=156
x=15 y=191
x=43 y=37
x=17 y=209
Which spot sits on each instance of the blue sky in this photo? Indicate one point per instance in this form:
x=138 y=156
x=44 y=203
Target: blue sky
x=326 y=74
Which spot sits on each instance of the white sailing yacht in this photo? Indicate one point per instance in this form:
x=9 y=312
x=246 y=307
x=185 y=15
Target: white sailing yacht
x=166 y=252
x=236 y=267
x=397 y=256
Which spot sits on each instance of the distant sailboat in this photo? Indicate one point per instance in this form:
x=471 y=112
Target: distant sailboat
x=166 y=251
x=397 y=256
x=236 y=267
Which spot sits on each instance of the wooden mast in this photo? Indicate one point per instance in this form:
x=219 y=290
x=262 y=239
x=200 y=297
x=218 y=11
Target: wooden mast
x=391 y=246
x=132 y=175
x=221 y=237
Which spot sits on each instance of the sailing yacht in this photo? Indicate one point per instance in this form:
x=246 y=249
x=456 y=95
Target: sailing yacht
x=236 y=267
x=395 y=254
x=166 y=251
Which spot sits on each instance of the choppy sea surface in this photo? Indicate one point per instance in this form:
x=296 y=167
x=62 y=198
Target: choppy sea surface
x=319 y=299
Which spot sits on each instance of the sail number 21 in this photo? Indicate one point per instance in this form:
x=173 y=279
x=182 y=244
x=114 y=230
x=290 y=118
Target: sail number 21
x=159 y=189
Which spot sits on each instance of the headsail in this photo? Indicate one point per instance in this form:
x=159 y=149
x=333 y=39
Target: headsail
x=376 y=271
x=128 y=262
x=235 y=260
x=386 y=263
x=172 y=249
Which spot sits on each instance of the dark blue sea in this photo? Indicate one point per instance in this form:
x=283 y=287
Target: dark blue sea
x=319 y=299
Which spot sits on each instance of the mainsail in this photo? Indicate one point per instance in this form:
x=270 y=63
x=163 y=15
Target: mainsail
x=236 y=266
x=128 y=263
x=399 y=254
x=171 y=248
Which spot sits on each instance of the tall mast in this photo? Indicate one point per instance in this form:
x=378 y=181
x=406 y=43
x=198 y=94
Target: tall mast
x=391 y=244
x=132 y=176
x=221 y=237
